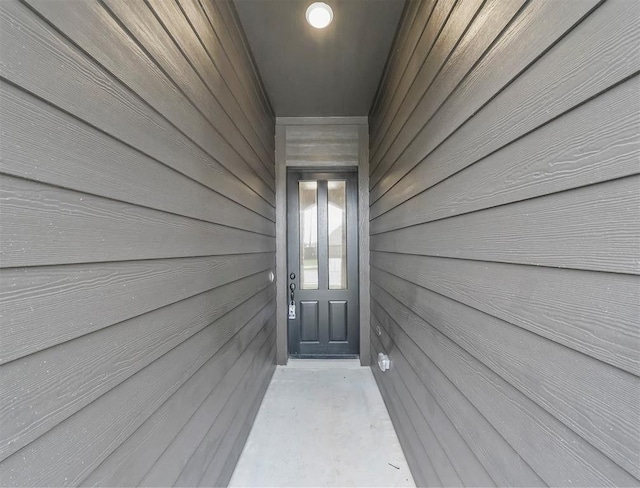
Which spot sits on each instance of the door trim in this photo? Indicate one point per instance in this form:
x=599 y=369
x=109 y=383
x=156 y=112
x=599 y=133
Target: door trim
x=282 y=354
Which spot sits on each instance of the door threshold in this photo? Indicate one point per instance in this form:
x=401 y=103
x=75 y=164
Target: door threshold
x=324 y=356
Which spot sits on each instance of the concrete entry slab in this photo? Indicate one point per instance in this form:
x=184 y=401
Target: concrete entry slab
x=322 y=423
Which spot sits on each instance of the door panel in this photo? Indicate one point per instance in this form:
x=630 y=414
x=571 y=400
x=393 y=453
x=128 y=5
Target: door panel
x=337 y=320
x=309 y=321
x=323 y=263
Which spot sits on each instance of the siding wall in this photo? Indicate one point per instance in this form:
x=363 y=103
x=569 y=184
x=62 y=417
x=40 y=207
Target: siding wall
x=137 y=191
x=321 y=145
x=505 y=199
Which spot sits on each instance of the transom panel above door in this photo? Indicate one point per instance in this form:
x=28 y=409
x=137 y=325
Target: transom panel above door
x=322 y=242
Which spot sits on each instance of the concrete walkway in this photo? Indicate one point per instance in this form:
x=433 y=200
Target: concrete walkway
x=322 y=423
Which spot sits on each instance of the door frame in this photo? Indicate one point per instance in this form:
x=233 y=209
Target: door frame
x=359 y=127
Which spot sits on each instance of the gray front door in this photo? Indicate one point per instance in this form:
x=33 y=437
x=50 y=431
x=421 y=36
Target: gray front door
x=322 y=243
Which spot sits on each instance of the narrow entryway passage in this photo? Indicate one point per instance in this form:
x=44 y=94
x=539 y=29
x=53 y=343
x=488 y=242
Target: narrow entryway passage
x=322 y=423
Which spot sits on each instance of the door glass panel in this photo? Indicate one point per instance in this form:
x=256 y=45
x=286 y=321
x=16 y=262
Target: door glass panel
x=308 y=198
x=337 y=231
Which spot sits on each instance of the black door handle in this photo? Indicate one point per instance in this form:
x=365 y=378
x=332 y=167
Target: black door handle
x=292 y=287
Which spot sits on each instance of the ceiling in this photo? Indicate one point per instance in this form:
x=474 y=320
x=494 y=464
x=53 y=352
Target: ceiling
x=311 y=72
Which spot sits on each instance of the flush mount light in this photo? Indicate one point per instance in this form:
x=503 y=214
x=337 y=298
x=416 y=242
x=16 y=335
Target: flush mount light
x=319 y=15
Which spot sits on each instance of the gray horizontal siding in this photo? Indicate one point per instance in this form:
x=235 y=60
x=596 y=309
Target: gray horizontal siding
x=505 y=168
x=321 y=145
x=138 y=318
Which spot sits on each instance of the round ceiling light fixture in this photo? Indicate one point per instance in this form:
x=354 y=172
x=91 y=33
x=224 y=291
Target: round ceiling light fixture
x=319 y=15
